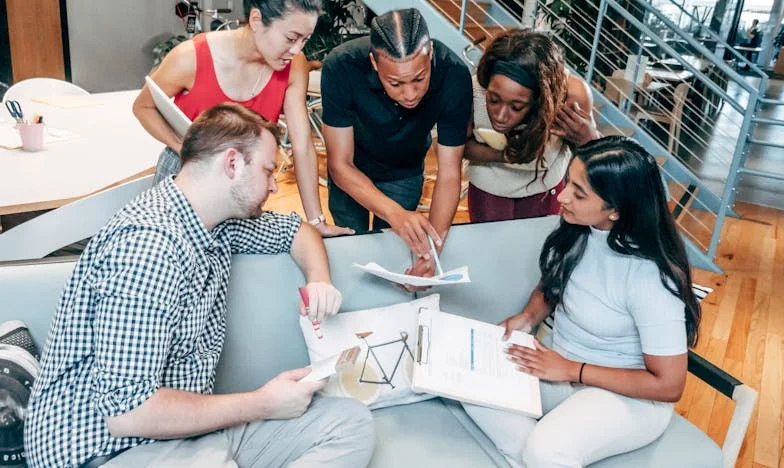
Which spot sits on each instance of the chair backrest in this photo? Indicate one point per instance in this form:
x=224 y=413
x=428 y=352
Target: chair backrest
x=679 y=100
x=42 y=87
x=314 y=83
x=70 y=223
x=618 y=89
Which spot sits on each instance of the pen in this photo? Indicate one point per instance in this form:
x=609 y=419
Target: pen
x=435 y=256
x=305 y=300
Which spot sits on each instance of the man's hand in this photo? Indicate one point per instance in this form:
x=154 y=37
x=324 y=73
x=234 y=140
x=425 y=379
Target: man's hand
x=284 y=397
x=574 y=124
x=329 y=230
x=324 y=300
x=516 y=322
x=422 y=267
x=414 y=228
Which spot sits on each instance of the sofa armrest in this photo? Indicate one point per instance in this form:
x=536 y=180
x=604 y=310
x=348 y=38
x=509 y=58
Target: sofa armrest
x=744 y=396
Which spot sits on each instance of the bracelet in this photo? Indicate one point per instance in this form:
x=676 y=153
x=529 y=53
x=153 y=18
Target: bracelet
x=580 y=378
x=317 y=220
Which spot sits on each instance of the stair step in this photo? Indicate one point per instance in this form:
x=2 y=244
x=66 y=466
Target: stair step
x=608 y=129
x=477 y=11
x=476 y=31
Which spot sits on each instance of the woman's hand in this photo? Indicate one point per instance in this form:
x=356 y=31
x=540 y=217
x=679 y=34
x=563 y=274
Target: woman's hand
x=330 y=230
x=544 y=363
x=520 y=322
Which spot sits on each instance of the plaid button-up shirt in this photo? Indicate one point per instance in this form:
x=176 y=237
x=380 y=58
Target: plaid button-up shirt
x=143 y=309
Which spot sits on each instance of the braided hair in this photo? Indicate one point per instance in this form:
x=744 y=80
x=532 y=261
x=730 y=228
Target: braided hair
x=399 y=34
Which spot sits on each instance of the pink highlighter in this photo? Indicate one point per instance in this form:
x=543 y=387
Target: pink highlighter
x=305 y=300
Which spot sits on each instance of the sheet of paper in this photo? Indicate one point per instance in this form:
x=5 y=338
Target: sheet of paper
x=68 y=102
x=330 y=366
x=10 y=139
x=458 y=275
x=465 y=359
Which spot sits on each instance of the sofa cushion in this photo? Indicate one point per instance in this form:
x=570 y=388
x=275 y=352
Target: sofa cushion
x=682 y=445
x=503 y=261
x=30 y=291
x=429 y=434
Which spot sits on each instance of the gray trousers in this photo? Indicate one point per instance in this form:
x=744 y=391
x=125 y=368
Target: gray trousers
x=334 y=432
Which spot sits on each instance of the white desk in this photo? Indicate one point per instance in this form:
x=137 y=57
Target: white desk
x=112 y=147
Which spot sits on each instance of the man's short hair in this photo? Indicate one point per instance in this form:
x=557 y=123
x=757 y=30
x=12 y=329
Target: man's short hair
x=225 y=126
x=399 y=34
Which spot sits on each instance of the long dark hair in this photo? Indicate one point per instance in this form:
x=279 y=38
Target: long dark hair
x=627 y=178
x=538 y=55
x=272 y=10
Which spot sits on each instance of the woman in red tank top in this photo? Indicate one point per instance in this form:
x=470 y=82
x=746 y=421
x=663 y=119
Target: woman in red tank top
x=260 y=66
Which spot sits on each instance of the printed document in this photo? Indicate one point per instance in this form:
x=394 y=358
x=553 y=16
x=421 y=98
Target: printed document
x=464 y=359
x=458 y=275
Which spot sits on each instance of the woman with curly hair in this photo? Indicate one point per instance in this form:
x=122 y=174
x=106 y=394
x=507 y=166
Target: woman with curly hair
x=616 y=277
x=523 y=98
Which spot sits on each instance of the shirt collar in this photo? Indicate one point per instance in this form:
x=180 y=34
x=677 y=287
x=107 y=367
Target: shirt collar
x=194 y=228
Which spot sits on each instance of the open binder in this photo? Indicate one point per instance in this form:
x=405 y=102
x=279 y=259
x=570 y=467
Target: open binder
x=464 y=359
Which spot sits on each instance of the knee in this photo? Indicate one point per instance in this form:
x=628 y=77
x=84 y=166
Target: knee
x=352 y=416
x=547 y=449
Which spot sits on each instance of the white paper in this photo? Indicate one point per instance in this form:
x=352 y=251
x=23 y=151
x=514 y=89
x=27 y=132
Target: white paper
x=322 y=369
x=458 y=275
x=466 y=360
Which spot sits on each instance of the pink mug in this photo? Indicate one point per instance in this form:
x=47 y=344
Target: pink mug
x=32 y=136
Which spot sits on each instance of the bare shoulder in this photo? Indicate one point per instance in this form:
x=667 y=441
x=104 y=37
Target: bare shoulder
x=577 y=90
x=178 y=69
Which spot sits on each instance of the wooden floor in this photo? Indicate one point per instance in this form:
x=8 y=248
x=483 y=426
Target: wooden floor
x=742 y=327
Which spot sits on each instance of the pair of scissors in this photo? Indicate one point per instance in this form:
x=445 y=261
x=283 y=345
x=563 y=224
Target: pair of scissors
x=15 y=110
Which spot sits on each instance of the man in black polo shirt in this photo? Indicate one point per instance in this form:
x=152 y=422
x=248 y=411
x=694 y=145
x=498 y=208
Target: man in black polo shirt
x=382 y=95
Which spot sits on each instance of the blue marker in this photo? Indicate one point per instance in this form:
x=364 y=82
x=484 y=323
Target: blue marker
x=472 y=349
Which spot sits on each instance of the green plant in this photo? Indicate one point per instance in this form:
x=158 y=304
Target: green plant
x=331 y=28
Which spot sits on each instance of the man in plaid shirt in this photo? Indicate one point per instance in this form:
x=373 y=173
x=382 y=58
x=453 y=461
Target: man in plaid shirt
x=129 y=366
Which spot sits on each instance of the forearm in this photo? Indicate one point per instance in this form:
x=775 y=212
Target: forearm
x=446 y=196
x=155 y=124
x=306 y=172
x=634 y=383
x=481 y=153
x=359 y=187
x=537 y=309
x=310 y=255
x=176 y=414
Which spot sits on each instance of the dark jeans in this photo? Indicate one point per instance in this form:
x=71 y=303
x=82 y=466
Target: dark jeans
x=348 y=213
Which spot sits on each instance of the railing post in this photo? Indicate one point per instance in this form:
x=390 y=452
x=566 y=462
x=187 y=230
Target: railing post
x=738 y=160
x=595 y=47
x=463 y=10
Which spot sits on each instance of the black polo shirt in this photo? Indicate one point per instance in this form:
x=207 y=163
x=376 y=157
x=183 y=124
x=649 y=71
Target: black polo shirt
x=390 y=141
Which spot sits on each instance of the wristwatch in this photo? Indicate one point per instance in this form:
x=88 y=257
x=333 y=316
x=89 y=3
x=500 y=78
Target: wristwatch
x=317 y=220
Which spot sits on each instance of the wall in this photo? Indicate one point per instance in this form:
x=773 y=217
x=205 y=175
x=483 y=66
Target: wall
x=111 y=40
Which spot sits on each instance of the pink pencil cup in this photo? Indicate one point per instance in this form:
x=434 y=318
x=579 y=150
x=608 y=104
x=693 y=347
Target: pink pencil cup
x=32 y=136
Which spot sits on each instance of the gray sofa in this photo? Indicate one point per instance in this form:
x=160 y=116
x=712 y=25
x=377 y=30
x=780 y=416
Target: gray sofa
x=264 y=337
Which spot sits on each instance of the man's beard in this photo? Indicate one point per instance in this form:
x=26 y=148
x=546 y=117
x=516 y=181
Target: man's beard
x=243 y=201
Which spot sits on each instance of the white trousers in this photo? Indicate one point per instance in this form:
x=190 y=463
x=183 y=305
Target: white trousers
x=580 y=425
x=334 y=432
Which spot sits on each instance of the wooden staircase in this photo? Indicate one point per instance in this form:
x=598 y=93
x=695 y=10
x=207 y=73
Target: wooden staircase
x=477 y=23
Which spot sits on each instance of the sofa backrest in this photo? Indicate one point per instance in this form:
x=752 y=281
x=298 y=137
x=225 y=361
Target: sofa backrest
x=263 y=336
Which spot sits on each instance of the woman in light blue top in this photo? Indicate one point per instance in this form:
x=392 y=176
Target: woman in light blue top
x=616 y=276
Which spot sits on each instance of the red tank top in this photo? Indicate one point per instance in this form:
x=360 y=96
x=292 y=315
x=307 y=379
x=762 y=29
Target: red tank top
x=206 y=92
